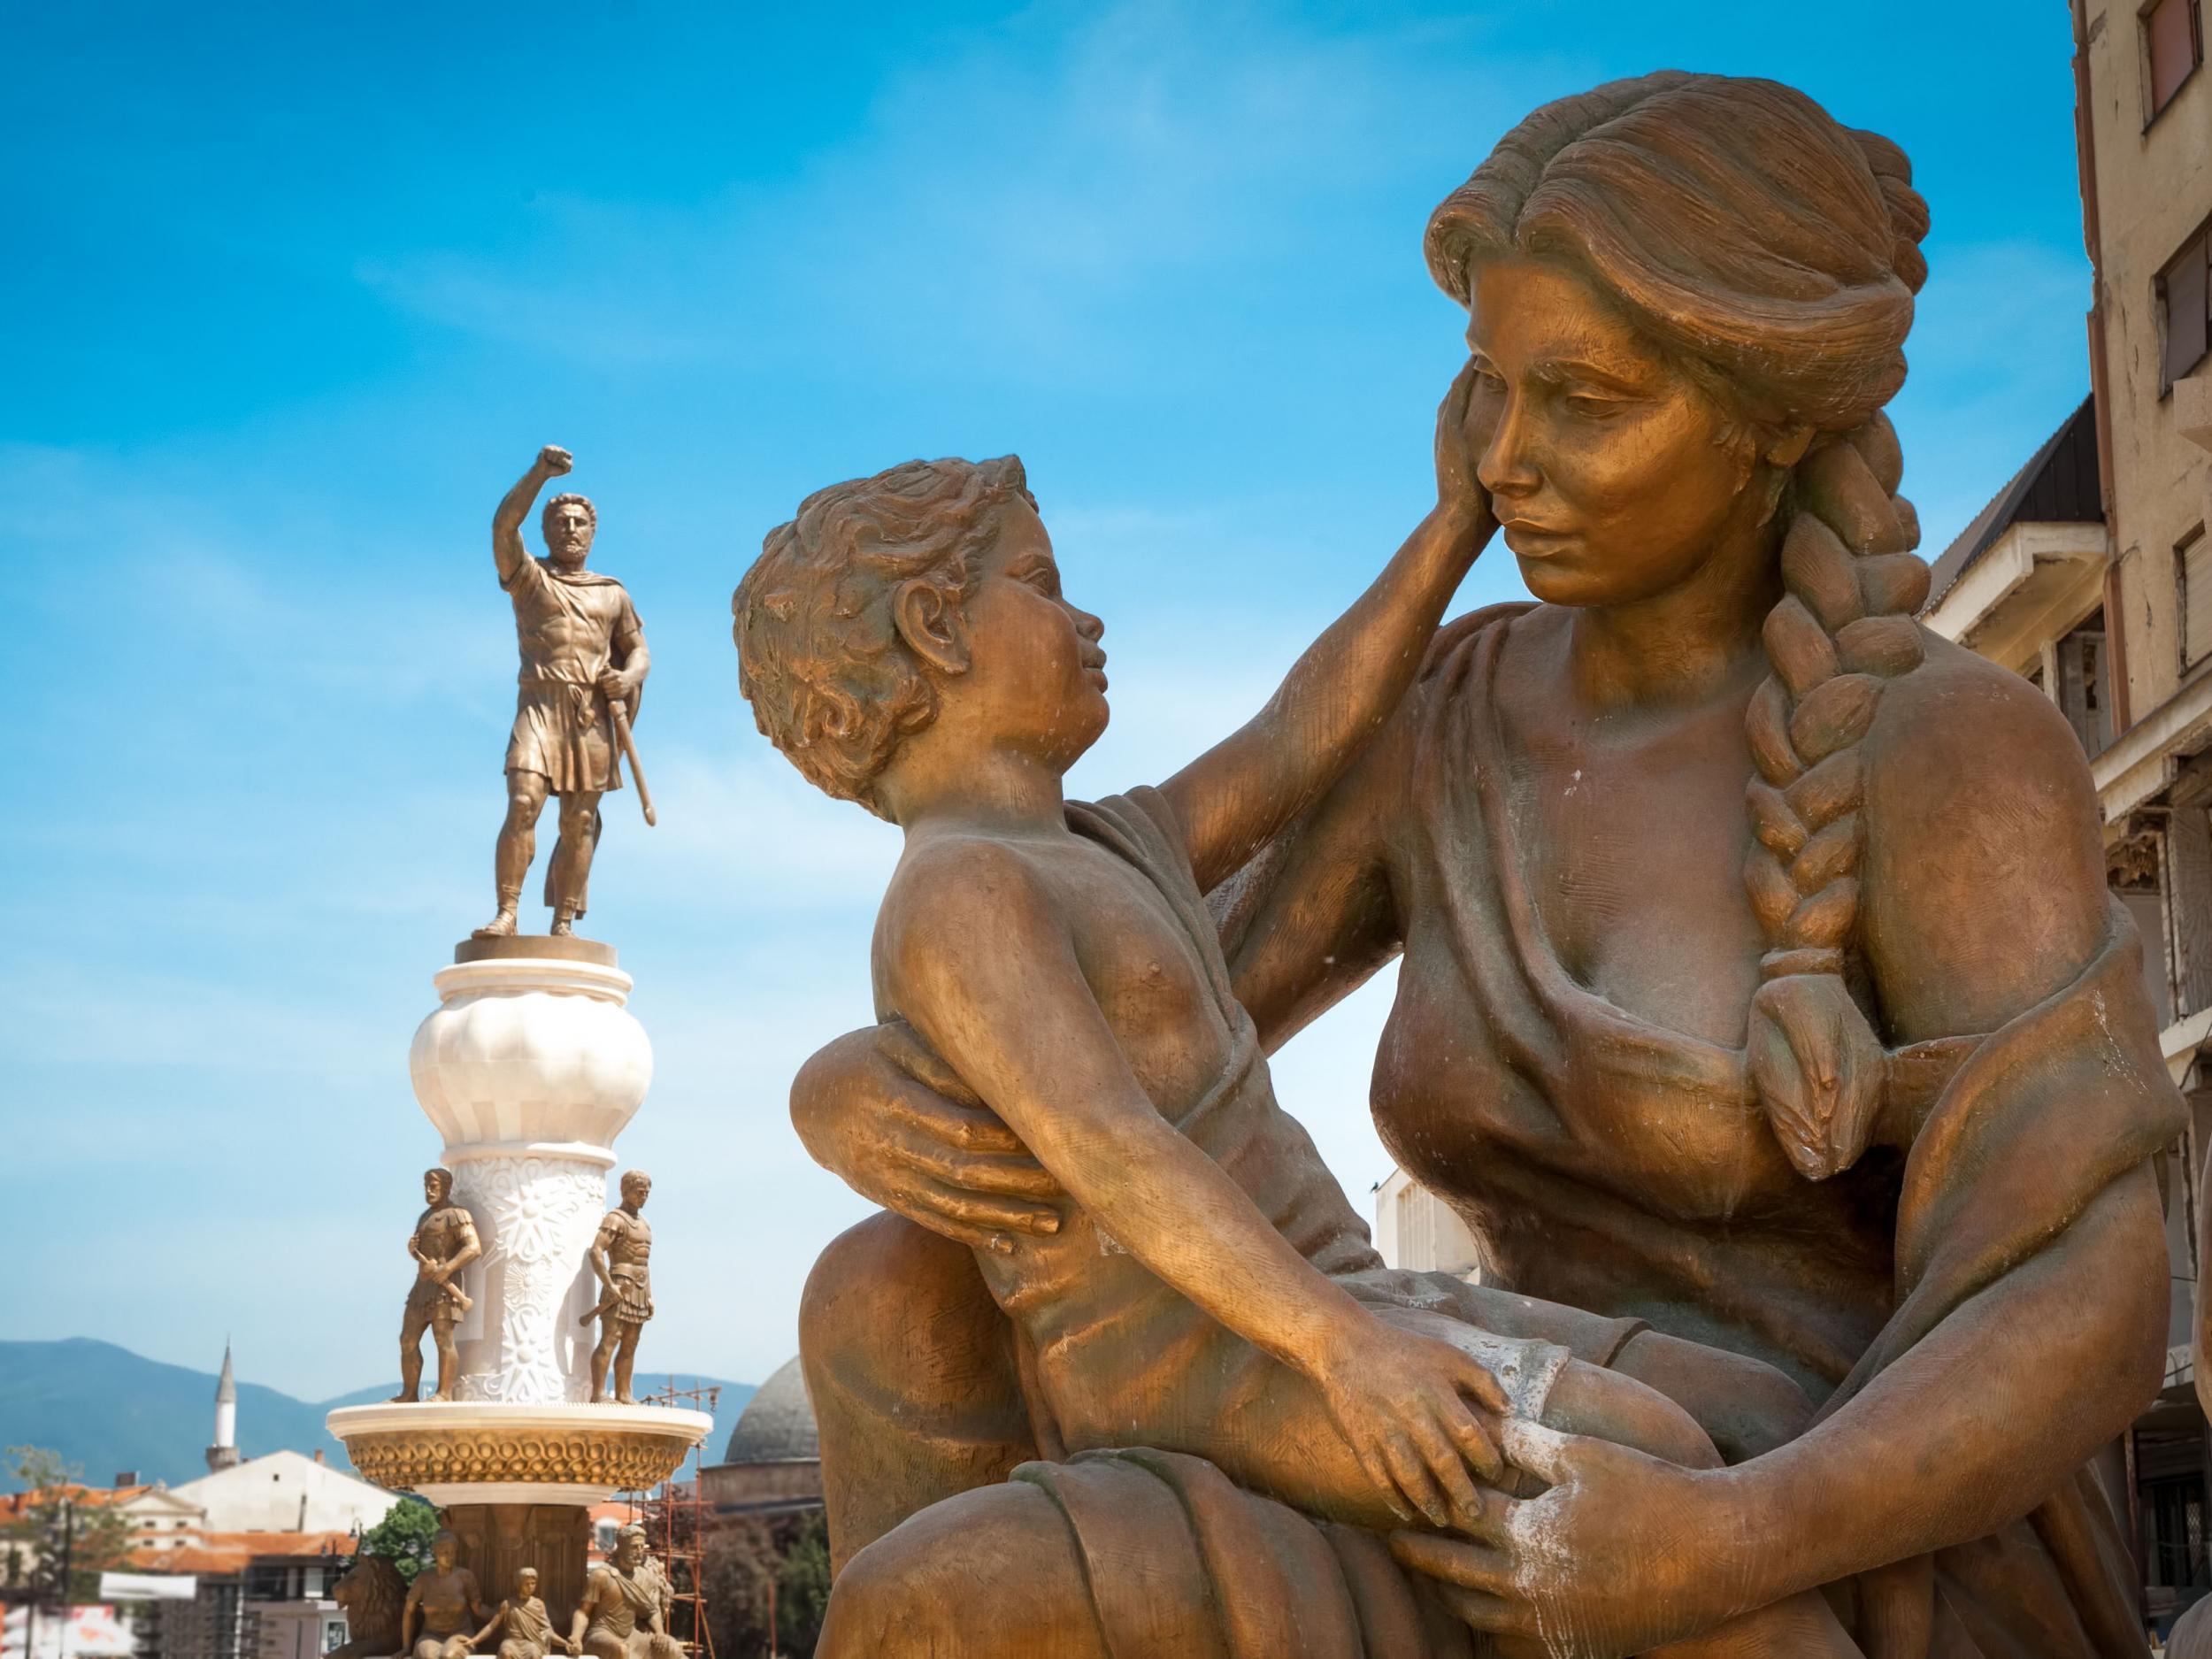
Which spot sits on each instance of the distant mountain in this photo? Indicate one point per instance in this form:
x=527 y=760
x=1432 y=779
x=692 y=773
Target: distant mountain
x=108 y=1410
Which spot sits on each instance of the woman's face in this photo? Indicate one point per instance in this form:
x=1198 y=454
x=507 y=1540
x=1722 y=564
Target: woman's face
x=1605 y=463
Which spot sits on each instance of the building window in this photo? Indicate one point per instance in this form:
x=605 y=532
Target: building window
x=2185 y=304
x=2184 y=308
x=2192 y=568
x=2173 y=46
x=2080 y=682
x=2173 y=1538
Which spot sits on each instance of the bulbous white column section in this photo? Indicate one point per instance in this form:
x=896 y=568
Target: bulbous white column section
x=524 y=1052
x=529 y=1069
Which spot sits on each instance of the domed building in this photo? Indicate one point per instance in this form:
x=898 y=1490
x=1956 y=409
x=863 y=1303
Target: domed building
x=773 y=1464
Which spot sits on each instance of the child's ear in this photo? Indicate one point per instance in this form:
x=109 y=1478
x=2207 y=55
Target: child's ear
x=931 y=623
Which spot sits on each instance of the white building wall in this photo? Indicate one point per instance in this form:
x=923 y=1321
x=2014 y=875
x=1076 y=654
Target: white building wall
x=1416 y=1230
x=266 y=1495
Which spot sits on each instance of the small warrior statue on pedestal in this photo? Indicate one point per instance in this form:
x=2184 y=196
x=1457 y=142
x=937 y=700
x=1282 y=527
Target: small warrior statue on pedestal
x=528 y=1627
x=444 y=1604
x=620 y=1616
x=619 y=1252
x=444 y=1242
x=583 y=664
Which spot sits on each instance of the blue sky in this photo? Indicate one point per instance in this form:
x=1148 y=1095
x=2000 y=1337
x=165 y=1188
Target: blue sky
x=293 y=293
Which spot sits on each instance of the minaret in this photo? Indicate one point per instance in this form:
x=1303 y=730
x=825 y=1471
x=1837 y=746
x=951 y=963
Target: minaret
x=224 y=1453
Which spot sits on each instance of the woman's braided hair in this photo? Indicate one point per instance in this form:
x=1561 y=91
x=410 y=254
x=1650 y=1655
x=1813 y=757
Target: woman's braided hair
x=1774 y=254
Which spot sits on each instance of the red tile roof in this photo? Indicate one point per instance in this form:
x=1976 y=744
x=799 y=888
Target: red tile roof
x=219 y=1553
x=192 y=1558
x=264 y=1545
x=91 y=1497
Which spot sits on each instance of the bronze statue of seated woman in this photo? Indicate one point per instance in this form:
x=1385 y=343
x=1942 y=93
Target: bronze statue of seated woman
x=1760 y=987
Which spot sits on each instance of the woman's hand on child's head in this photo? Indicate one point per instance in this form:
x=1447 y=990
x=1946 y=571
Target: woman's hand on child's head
x=1412 y=1409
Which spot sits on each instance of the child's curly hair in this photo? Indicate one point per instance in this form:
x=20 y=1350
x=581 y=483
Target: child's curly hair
x=819 y=655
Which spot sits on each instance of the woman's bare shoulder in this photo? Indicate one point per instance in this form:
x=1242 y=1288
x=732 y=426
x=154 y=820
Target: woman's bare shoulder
x=1960 y=718
x=1984 y=872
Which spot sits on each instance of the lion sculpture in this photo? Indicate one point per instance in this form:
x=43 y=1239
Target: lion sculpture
x=372 y=1594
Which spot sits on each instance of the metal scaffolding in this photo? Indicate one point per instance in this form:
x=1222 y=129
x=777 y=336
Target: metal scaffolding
x=676 y=1523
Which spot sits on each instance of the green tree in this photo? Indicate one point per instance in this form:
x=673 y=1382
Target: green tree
x=403 y=1537
x=802 y=1584
x=753 y=1565
x=56 y=1526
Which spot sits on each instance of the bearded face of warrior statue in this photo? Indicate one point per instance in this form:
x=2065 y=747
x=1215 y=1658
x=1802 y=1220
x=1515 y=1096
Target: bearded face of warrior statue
x=621 y=1614
x=584 y=662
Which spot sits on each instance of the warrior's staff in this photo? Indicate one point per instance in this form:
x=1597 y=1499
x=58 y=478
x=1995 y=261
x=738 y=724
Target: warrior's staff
x=629 y=747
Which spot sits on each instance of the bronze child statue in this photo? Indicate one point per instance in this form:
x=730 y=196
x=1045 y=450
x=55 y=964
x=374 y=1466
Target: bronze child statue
x=1207 y=1290
x=584 y=663
x=444 y=1242
x=525 y=1628
x=620 y=1257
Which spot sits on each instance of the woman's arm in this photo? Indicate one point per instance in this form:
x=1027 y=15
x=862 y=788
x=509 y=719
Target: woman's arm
x=1315 y=913
x=1247 y=787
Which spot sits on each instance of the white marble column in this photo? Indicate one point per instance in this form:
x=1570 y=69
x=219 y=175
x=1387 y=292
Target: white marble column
x=529 y=1068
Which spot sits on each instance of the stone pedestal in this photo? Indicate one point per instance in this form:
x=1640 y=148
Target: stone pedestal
x=529 y=1068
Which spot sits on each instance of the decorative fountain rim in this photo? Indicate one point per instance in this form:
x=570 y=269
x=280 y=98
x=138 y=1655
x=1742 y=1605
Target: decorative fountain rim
x=473 y=1451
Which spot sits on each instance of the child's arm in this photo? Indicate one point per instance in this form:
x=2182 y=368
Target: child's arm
x=499 y=1617
x=1239 y=792
x=980 y=960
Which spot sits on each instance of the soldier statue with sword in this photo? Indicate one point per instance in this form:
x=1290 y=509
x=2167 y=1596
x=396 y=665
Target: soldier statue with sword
x=444 y=1242
x=584 y=662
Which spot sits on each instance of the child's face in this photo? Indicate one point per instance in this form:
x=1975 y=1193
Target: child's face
x=1036 y=679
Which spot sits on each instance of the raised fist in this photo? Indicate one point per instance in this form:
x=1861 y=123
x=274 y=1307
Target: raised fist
x=555 y=459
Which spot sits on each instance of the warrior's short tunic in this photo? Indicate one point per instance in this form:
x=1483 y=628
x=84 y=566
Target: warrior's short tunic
x=438 y=1236
x=573 y=627
x=628 y=1242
